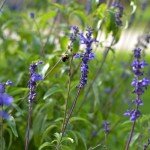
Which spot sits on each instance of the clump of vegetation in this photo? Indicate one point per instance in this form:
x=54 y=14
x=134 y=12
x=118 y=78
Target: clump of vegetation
x=76 y=96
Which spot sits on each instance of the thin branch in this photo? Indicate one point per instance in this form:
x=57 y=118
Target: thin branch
x=28 y=127
x=68 y=93
x=71 y=111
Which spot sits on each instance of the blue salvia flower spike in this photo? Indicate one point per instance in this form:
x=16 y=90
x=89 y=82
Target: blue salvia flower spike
x=118 y=12
x=139 y=84
x=88 y=55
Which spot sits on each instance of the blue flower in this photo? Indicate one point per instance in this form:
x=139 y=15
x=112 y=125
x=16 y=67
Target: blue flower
x=140 y=84
x=34 y=77
x=138 y=102
x=32 y=15
x=133 y=114
x=5 y=99
x=106 y=127
x=73 y=35
x=4 y=114
x=118 y=12
x=87 y=40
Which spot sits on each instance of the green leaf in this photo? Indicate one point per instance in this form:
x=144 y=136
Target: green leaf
x=12 y=125
x=134 y=138
x=46 y=144
x=45 y=69
x=46 y=17
x=82 y=142
x=79 y=119
x=56 y=5
x=10 y=138
x=2 y=143
x=81 y=16
x=48 y=130
x=64 y=147
x=54 y=89
x=100 y=12
x=63 y=42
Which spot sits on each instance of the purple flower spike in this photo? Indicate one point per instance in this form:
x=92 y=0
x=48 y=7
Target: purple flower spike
x=118 y=12
x=34 y=77
x=106 y=127
x=73 y=35
x=140 y=84
x=87 y=40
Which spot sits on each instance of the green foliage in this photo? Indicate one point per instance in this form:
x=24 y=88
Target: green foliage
x=45 y=37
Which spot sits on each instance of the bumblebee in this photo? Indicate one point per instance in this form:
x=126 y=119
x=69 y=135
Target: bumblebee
x=64 y=57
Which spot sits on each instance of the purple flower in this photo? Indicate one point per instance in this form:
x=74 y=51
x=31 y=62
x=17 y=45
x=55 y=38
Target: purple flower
x=87 y=40
x=106 y=127
x=144 y=4
x=118 y=12
x=34 y=77
x=4 y=114
x=32 y=15
x=139 y=84
x=133 y=114
x=73 y=35
x=138 y=102
x=77 y=55
x=5 y=99
x=137 y=53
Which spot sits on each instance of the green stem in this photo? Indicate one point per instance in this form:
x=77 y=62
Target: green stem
x=130 y=137
x=28 y=127
x=68 y=93
x=70 y=112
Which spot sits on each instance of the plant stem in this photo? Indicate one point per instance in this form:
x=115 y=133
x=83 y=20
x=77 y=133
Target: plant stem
x=130 y=137
x=70 y=112
x=68 y=93
x=28 y=127
x=66 y=119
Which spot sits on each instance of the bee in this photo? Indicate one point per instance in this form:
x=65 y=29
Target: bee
x=64 y=57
